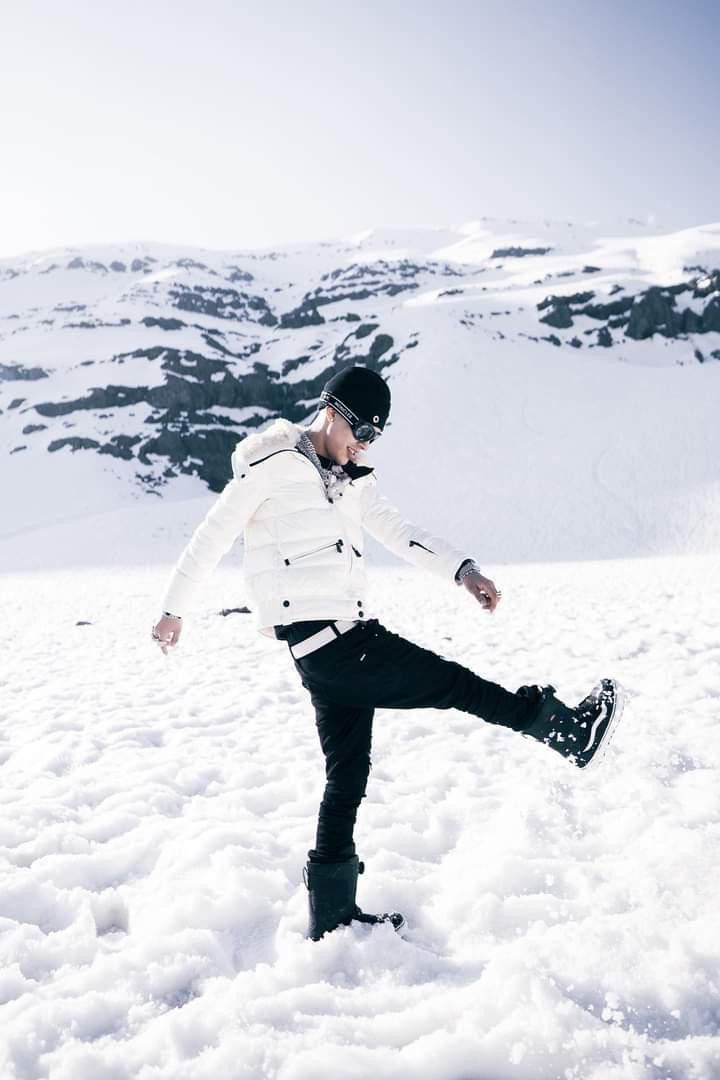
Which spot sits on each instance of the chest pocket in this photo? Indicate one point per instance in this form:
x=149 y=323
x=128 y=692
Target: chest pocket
x=337 y=544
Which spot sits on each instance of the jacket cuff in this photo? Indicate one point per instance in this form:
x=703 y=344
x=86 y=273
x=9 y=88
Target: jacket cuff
x=464 y=568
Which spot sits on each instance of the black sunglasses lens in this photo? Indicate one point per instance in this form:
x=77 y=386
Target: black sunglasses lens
x=364 y=432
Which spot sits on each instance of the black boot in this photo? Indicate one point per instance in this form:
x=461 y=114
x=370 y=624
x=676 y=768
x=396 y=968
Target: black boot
x=331 y=897
x=581 y=734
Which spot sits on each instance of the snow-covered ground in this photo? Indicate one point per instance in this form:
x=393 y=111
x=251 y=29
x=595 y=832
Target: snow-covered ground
x=157 y=810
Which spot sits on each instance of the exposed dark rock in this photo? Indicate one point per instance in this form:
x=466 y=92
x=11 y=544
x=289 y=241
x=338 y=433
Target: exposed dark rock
x=222 y=303
x=16 y=402
x=291 y=365
x=235 y=611
x=699 y=356
x=607 y=311
x=518 y=252
x=376 y=272
x=651 y=312
x=74 y=443
x=164 y=324
x=30 y=428
x=80 y=264
x=553 y=339
x=120 y=446
x=15 y=449
x=181 y=404
x=203 y=453
x=306 y=314
x=604 y=337
x=239 y=275
x=118 y=267
x=70 y=307
x=570 y=299
x=711 y=315
x=575 y=342
x=365 y=330
x=559 y=316
x=192 y=264
x=12 y=372
x=616 y=289
x=656 y=311
x=591 y=270
x=98 y=398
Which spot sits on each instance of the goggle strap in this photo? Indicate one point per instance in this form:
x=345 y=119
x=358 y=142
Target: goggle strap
x=347 y=414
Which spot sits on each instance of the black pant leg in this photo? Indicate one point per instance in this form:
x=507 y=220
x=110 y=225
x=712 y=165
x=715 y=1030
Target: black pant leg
x=345 y=737
x=372 y=667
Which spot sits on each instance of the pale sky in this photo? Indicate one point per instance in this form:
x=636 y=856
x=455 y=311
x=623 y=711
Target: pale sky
x=244 y=124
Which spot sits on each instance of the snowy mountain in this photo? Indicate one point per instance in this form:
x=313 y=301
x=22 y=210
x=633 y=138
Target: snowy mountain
x=547 y=356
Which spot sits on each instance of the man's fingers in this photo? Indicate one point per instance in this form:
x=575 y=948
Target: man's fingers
x=489 y=596
x=484 y=590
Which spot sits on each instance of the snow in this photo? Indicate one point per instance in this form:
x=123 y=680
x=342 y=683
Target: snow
x=158 y=810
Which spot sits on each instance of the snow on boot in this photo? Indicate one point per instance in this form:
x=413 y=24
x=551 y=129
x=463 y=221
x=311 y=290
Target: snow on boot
x=331 y=897
x=581 y=734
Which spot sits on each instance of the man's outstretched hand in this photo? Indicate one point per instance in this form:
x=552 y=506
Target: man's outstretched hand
x=166 y=632
x=483 y=589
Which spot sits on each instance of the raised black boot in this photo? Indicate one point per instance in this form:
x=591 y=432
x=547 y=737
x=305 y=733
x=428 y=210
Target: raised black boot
x=581 y=734
x=331 y=897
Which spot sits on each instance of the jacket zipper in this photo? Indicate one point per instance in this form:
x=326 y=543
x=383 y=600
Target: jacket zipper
x=335 y=544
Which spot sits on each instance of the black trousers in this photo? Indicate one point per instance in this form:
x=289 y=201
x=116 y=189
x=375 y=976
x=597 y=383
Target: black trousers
x=370 y=667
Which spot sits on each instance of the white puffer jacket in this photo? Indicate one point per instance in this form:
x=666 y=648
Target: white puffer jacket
x=303 y=545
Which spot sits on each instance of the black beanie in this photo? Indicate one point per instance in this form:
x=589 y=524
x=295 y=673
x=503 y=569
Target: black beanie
x=363 y=391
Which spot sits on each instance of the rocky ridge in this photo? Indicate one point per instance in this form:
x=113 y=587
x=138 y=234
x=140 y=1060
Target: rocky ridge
x=163 y=358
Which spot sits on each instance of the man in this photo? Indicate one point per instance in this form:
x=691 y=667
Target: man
x=303 y=502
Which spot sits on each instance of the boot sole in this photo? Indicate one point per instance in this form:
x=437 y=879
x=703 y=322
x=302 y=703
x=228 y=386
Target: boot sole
x=618 y=708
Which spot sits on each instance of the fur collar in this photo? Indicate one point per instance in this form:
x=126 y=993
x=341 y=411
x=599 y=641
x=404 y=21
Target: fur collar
x=282 y=434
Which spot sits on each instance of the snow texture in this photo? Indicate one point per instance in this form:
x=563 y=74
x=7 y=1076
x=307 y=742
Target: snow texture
x=156 y=812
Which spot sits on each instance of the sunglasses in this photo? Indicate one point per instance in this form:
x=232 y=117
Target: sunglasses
x=362 y=430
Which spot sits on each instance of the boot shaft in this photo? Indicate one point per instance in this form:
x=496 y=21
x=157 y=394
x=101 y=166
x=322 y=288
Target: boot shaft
x=332 y=888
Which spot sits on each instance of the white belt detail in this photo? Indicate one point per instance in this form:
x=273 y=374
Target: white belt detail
x=322 y=637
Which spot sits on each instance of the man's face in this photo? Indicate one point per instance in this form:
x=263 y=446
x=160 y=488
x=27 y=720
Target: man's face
x=341 y=443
